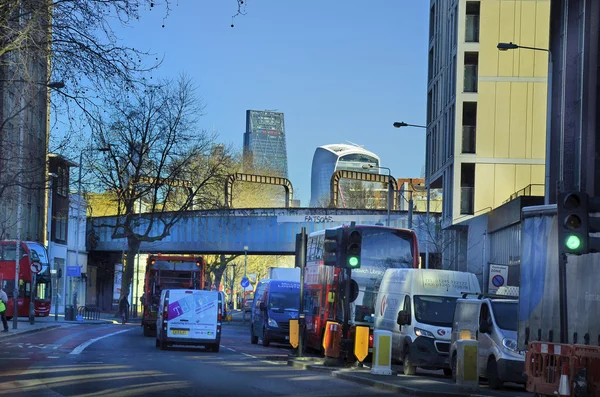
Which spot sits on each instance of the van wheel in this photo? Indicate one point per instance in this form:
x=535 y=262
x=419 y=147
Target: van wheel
x=265 y=340
x=253 y=338
x=454 y=367
x=215 y=348
x=448 y=372
x=492 y=374
x=407 y=365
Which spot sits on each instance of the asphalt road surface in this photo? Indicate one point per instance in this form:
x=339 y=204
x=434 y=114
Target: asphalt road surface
x=116 y=360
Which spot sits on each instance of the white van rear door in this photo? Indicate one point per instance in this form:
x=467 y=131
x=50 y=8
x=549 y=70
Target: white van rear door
x=192 y=314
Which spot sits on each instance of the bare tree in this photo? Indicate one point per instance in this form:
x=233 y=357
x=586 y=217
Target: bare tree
x=155 y=153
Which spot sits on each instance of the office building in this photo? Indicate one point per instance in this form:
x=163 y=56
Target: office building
x=330 y=158
x=264 y=143
x=486 y=109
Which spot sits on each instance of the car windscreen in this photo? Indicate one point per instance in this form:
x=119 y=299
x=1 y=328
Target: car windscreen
x=506 y=315
x=435 y=310
x=281 y=301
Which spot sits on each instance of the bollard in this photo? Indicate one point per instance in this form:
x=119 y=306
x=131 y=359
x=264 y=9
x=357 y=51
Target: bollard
x=382 y=353
x=331 y=339
x=467 y=371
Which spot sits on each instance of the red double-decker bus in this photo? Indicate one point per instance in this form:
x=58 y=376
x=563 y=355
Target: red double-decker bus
x=40 y=283
x=168 y=272
x=382 y=248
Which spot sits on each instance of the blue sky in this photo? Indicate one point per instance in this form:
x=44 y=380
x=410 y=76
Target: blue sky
x=339 y=70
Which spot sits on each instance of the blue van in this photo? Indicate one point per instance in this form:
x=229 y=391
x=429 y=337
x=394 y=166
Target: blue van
x=275 y=303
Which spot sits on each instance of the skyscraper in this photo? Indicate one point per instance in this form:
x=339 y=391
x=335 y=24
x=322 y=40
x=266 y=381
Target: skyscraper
x=330 y=158
x=264 y=142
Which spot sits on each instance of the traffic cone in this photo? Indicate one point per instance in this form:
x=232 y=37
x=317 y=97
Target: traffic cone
x=563 y=386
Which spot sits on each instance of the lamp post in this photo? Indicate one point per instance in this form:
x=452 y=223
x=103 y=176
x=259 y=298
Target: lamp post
x=22 y=106
x=399 y=124
x=513 y=46
x=389 y=197
x=245 y=258
x=78 y=221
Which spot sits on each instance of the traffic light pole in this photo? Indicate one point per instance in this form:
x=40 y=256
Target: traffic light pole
x=302 y=262
x=562 y=297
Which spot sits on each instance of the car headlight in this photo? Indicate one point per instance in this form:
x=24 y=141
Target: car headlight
x=510 y=344
x=272 y=323
x=424 y=333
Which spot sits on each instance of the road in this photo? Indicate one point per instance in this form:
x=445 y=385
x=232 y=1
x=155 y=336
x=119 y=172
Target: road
x=116 y=360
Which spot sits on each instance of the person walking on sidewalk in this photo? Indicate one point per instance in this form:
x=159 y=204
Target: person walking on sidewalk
x=3 y=302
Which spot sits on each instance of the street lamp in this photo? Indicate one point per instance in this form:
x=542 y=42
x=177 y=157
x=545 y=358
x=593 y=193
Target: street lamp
x=22 y=106
x=513 y=46
x=389 y=198
x=103 y=149
x=399 y=124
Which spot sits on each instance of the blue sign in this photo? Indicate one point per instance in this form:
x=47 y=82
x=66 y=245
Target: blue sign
x=245 y=282
x=73 y=271
x=498 y=280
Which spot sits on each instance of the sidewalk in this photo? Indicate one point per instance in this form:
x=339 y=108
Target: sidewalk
x=50 y=322
x=420 y=385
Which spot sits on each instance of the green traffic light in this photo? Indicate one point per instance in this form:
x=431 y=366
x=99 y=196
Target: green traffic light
x=573 y=242
x=353 y=261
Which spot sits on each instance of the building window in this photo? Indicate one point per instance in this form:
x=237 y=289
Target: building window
x=469 y=127
x=467 y=189
x=430 y=65
x=62 y=183
x=471 y=63
x=472 y=23
x=429 y=107
x=431 y=22
x=60 y=227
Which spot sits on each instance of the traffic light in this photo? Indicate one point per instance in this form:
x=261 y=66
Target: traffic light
x=353 y=242
x=593 y=224
x=573 y=227
x=332 y=247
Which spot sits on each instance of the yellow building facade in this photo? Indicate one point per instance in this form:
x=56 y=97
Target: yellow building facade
x=486 y=107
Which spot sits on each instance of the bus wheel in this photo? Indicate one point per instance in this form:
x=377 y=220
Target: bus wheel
x=265 y=340
x=253 y=338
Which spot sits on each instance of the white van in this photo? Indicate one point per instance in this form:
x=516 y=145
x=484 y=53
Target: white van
x=189 y=317
x=417 y=306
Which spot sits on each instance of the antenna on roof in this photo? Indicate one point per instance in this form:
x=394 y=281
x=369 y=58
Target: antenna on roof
x=355 y=144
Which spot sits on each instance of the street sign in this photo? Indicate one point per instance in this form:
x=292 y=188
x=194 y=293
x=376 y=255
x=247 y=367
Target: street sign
x=245 y=282
x=73 y=271
x=35 y=267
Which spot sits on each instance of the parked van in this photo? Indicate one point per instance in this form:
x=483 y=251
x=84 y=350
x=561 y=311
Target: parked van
x=189 y=317
x=493 y=321
x=275 y=303
x=417 y=306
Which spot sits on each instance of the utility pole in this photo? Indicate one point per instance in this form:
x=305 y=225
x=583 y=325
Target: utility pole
x=301 y=260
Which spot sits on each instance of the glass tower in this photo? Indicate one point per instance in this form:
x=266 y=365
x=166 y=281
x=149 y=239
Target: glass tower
x=264 y=142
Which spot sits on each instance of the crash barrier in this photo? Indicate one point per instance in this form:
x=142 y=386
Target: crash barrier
x=564 y=370
x=88 y=313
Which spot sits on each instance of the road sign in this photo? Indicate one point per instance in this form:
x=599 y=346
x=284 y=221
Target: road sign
x=245 y=282
x=35 y=267
x=497 y=277
x=73 y=271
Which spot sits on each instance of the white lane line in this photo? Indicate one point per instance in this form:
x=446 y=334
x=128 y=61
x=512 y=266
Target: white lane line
x=53 y=357
x=249 y=355
x=84 y=345
x=15 y=358
x=229 y=348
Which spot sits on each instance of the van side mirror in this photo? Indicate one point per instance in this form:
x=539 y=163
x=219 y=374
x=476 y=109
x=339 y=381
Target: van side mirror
x=484 y=327
x=262 y=306
x=403 y=318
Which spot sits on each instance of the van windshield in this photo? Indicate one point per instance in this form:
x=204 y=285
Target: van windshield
x=435 y=310
x=282 y=301
x=506 y=315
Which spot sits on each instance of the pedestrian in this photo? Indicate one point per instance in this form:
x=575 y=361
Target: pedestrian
x=3 y=302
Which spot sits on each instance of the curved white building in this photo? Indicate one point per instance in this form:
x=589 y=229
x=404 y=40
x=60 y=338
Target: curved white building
x=331 y=158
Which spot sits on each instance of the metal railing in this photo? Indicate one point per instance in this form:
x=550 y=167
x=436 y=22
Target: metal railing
x=467 y=200
x=533 y=189
x=468 y=138
x=88 y=312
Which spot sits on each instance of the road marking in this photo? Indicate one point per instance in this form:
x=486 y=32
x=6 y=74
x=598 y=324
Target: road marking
x=53 y=357
x=229 y=348
x=249 y=355
x=15 y=358
x=83 y=346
